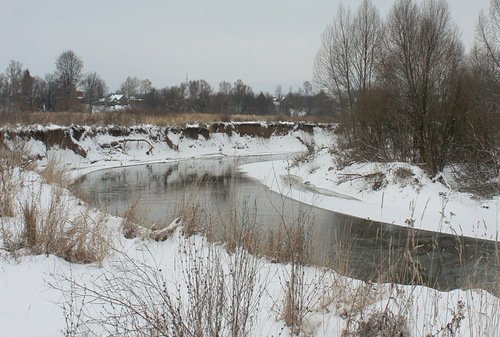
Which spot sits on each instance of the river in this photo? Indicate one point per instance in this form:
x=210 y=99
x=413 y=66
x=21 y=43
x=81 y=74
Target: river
x=219 y=195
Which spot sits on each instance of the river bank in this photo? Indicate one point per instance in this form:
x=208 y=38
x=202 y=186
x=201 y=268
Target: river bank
x=394 y=193
x=43 y=295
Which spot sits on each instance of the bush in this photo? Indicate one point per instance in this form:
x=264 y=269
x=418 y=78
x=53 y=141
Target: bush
x=379 y=323
x=216 y=295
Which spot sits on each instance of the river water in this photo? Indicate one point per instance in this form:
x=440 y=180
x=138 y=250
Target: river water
x=220 y=196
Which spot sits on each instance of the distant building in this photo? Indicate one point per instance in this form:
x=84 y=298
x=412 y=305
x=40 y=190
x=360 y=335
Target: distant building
x=113 y=102
x=116 y=99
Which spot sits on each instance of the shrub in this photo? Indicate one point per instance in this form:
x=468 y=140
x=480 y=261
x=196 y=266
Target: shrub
x=136 y=298
x=379 y=323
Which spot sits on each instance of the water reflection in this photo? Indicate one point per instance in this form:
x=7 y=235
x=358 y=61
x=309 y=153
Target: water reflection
x=355 y=247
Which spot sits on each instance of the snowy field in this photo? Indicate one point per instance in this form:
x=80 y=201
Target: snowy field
x=43 y=295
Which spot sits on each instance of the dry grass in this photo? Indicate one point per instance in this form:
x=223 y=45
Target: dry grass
x=128 y=118
x=53 y=230
x=285 y=246
x=54 y=172
x=47 y=227
x=379 y=323
x=303 y=295
x=10 y=162
x=191 y=220
x=8 y=187
x=131 y=219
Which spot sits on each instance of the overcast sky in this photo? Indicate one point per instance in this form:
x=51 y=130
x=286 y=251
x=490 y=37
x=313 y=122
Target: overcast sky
x=263 y=42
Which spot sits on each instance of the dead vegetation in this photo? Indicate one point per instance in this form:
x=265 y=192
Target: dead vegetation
x=129 y=118
x=134 y=225
x=8 y=185
x=54 y=172
x=379 y=323
x=53 y=229
x=41 y=226
x=213 y=295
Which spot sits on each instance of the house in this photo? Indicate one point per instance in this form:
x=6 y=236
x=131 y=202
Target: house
x=113 y=102
x=116 y=99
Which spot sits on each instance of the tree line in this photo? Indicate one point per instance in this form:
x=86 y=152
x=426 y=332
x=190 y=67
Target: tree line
x=406 y=89
x=57 y=91
x=69 y=89
x=230 y=98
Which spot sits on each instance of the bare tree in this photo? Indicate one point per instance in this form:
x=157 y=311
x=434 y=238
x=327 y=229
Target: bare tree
x=130 y=87
x=422 y=65
x=345 y=63
x=52 y=83
x=69 y=69
x=241 y=93
x=3 y=85
x=145 y=87
x=225 y=88
x=199 y=94
x=332 y=65
x=221 y=99
x=489 y=33
x=93 y=86
x=37 y=92
x=14 y=77
x=367 y=38
x=308 y=88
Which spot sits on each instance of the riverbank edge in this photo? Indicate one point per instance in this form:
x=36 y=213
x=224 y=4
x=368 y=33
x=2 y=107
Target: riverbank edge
x=428 y=204
x=376 y=191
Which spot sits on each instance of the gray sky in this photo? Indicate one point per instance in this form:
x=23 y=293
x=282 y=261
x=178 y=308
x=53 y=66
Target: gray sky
x=263 y=42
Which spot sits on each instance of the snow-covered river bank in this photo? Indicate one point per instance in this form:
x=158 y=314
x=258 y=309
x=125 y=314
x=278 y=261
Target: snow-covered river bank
x=335 y=304
x=394 y=193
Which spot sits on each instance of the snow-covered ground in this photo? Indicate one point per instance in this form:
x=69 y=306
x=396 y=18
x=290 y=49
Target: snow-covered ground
x=395 y=193
x=30 y=286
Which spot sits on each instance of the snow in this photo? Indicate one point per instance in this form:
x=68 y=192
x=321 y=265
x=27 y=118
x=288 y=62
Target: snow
x=31 y=301
x=415 y=200
x=29 y=307
x=115 y=97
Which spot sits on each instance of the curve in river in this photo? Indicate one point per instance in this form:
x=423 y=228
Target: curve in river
x=220 y=195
